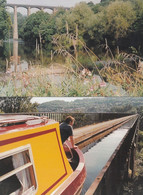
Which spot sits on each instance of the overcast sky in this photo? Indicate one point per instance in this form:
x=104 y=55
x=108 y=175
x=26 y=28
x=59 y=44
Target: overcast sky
x=66 y=3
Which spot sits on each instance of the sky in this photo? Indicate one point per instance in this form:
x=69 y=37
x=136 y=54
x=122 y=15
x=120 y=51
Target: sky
x=40 y=100
x=64 y=3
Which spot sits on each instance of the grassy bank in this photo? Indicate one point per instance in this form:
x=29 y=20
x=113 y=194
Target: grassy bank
x=41 y=81
x=81 y=74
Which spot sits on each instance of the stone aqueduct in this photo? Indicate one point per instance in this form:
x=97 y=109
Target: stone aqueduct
x=28 y=7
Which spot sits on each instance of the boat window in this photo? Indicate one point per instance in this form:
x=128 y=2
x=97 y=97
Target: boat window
x=17 y=175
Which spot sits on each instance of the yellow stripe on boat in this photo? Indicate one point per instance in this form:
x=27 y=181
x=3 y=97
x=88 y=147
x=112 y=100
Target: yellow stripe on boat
x=50 y=162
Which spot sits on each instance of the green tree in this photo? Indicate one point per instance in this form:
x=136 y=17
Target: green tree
x=98 y=25
x=5 y=21
x=119 y=17
x=137 y=30
x=31 y=28
x=17 y=105
x=124 y=109
x=77 y=19
x=113 y=22
x=49 y=27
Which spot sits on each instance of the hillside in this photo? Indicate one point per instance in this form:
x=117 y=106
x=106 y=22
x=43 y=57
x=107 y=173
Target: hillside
x=95 y=105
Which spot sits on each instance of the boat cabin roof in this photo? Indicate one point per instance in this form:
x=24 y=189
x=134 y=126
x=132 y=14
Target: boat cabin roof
x=21 y=122
x=16 y=118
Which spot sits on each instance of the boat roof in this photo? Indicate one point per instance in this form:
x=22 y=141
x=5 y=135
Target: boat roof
x=7 y=119
x=19 y=122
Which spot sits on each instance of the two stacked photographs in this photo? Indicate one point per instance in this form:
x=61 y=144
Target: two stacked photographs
x=71 y=97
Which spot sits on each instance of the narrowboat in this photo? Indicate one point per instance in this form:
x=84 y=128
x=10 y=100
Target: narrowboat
x=33 y=159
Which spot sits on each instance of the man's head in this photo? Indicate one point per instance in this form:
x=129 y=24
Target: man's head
x=69 y=120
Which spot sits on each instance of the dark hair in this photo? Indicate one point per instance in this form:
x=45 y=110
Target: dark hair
x=69 y=119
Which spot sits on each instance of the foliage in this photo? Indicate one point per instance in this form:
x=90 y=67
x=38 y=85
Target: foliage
x=97 y=22
x=17 y=104
x=112 y=22
x=87 y=25
x=95 y=7
x=38 y=82
x=98 y=25
x=31 y=28
x=125 y=108
x=137 y=28
x=120 y=16
x=118 y=21
x=5 y=22
x=40 y=26
x=94 y=105
x=76 y=21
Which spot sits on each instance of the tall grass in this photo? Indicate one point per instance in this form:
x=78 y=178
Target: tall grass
x=127 y=76
x=37 y=82
x=83 y=74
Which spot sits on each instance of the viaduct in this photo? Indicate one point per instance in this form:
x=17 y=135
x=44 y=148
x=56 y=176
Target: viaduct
x=28 y=7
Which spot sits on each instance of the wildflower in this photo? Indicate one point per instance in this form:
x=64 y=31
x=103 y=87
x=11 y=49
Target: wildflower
x=85 y=81
x=102 y=84
x=8 y=71
x=92 y=88
x=89 y=73
x=86 y=72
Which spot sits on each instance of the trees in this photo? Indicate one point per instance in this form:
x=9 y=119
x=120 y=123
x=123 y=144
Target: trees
x=77 y=22
x=32 y=26
x=119 y=16
x=110 y=19
x=40 y=25
x=80 y=15
x=137 y=29
x=48 y=27
x=5 y=21
x=17 y=104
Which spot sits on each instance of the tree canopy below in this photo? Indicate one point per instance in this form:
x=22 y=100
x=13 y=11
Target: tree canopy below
x=130 y=105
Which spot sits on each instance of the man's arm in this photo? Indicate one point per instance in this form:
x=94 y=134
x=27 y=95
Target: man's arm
x=72 y=142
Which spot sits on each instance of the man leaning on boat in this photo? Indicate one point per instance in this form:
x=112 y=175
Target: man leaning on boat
x=66 y=130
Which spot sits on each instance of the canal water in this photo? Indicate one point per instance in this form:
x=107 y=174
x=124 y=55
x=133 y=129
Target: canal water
x=25 y=54
x=10 y=48
x=97 y=154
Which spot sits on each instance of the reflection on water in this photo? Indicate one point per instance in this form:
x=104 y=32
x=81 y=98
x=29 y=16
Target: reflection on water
x=15 y=55
x=97 y=156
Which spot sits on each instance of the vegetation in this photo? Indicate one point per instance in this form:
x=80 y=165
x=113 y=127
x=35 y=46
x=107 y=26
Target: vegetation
x=130 y=105
x=5 y=22
x=31 y=30
x=117 y=21
x=40 y=83
x=94 y=39
x=17 y=104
